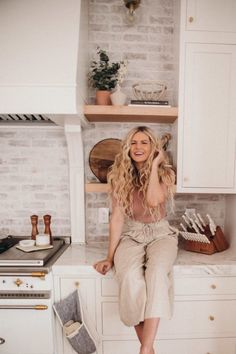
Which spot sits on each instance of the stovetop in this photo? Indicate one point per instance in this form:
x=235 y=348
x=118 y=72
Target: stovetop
x=13 y=257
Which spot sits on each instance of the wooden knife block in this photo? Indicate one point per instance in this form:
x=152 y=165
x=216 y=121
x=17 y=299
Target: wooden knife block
x=218 y=243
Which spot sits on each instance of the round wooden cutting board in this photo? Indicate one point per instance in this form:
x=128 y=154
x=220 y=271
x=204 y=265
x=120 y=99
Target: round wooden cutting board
x=102 y=156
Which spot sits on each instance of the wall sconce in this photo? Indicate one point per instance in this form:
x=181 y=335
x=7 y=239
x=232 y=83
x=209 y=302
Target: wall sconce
x=132 y=5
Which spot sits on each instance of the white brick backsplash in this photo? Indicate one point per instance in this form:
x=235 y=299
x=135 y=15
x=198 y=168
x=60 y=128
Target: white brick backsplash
x=34 y=179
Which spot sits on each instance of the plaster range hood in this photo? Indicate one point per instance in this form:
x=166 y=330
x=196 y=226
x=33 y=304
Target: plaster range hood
x=43 y=62
x=43 y=73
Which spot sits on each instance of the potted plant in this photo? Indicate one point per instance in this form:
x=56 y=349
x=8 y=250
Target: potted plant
x=103 y=76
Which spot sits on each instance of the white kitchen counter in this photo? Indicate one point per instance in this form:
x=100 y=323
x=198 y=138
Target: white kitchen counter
x=80 y=258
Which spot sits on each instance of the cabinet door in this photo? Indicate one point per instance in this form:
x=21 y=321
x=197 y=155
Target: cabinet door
x=87 y=289
x=211 y=15
x=206 y=154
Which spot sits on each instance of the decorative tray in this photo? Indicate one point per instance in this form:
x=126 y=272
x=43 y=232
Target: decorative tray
x=34 y=248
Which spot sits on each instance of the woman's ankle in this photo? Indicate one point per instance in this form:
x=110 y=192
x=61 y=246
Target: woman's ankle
x=144 y=349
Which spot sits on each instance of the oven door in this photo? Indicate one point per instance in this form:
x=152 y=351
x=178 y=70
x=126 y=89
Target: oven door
x=26 y=326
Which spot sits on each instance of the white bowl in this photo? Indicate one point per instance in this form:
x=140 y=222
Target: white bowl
x=27 y=243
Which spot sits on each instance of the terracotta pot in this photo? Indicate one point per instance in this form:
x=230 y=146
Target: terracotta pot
x=103 y=97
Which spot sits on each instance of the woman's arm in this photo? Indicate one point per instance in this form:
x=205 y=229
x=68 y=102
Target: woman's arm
x=156 y=191
x=115 y=230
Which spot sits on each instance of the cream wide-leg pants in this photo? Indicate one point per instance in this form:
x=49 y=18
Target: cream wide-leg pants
x=143 y=264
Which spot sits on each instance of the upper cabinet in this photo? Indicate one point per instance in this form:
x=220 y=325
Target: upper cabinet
x=211 y=15
x=207 y=110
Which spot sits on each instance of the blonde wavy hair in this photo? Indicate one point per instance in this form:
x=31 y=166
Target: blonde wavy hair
x=124 y=177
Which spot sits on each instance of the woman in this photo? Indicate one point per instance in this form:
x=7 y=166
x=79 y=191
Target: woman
x=142 y=245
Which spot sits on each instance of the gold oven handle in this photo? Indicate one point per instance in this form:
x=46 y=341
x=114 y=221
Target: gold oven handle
x=23 y=307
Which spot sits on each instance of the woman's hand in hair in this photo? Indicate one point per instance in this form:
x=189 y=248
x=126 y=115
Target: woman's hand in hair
x=159 y=158
x=103 y=266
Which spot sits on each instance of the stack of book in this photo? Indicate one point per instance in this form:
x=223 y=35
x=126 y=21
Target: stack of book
x=156 y=103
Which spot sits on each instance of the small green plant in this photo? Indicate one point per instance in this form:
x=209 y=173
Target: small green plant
x=104 y=75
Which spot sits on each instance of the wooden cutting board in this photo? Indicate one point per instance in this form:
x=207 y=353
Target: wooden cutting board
x=102 y=156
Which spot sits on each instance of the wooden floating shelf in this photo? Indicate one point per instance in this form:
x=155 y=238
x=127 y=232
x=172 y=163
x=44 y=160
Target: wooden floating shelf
x=97 y=113
x=97 y=187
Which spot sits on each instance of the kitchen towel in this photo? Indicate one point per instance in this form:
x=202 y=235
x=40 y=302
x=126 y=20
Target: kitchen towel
x=77 y=326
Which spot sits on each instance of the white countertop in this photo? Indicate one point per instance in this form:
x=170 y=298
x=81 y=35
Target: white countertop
x=80 y=258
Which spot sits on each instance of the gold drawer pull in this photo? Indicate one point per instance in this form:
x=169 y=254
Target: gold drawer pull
x=77 y=284
x=190 y=19
x=213 y=286
x=211 y=318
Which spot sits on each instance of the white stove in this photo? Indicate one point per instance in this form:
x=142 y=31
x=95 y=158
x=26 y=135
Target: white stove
x=26 y=299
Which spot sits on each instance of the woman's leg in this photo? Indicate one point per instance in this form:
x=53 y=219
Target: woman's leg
x=161 y=255
x=146 y=332
x=139 y=331
x=129 y=261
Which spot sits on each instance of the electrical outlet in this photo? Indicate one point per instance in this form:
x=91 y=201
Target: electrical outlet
x=103 y=215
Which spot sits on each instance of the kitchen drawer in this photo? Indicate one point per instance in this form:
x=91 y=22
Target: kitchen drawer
x=193 y=346
x=186 y=286
x=191 y=319
x=205 y=286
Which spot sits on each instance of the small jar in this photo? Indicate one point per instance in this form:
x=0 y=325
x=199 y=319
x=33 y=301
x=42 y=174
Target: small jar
x=42 y=240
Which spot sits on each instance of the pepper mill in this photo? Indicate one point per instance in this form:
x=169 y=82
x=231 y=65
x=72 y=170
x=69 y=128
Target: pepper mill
x=47 y=230
x=34 y=222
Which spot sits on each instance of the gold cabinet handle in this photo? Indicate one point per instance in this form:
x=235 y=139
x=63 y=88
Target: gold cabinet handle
x=211 y=318
x=213 y=286
x=77 y=284
x=18 y=282
x=190 y=19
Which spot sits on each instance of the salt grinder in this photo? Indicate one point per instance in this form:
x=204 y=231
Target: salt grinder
x=47 y=230
x=34 y=222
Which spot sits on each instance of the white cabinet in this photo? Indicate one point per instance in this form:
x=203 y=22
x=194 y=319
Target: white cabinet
x=207 y=102
x=211 y=15
x=204 y=318
x=207 y=135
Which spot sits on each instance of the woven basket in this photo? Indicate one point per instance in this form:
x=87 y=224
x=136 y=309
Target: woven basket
x=151 y=91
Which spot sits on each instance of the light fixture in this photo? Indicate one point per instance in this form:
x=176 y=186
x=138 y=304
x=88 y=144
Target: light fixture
x=132 y=5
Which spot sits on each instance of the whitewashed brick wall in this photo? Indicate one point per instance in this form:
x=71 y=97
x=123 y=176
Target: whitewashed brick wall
x=148 y=45
x=33 y=179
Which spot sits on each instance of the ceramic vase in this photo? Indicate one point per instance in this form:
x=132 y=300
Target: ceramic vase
x=118 y=98
x=103 y=97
